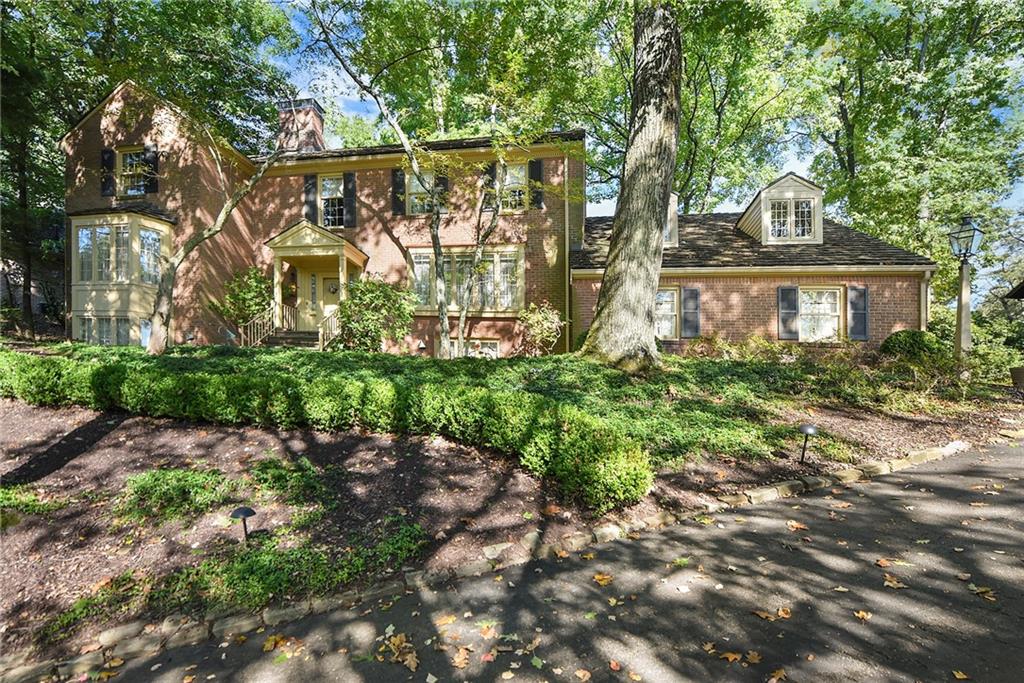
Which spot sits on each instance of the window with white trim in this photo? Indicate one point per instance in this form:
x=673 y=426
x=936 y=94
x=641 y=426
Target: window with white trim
x=332 y=201
x=418 y=196
x=122 y=252
x=103 y=335
x=132 y=172
x=478 y=348
x=103 y=252
x=666 y=314
x=820 y=314
x=149 y=256
x=516 y=193
x=791 y=219
x=495 y=283
x=690 y=317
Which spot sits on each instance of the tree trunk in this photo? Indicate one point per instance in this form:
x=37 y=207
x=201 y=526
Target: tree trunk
x=622 y=333
x=482 y=235
x=21 y=170
x=444 y=334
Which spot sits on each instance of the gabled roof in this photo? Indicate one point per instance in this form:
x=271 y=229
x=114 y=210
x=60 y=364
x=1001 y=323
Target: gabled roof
x=795 y=176
x=317 y=237
x=710 y=240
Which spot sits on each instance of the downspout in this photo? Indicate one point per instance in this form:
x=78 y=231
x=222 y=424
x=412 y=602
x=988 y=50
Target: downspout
x=568 y=284
x=925 y=297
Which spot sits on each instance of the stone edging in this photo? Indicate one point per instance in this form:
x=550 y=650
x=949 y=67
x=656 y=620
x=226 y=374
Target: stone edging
x=138 y=638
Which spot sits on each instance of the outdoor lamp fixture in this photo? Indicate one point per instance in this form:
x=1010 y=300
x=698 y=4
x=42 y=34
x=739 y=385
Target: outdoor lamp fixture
x=243 y=513
x=965 y=242
x=808 y=430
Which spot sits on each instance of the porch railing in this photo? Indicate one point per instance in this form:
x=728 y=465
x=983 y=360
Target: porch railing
x=257 y=329
x=262 y=326
x=329 y=329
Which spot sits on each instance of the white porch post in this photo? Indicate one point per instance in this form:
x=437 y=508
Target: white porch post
x=278 y=295
x=343 y=275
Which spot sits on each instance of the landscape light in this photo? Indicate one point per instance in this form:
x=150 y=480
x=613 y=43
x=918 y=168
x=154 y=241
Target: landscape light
x=808 y=430
x=243 y=513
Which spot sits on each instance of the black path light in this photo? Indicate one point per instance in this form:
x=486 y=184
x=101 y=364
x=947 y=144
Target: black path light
x=243 y=513
x=808 y=430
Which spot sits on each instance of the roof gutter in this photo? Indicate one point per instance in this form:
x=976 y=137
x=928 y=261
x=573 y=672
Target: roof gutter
x=723 y=271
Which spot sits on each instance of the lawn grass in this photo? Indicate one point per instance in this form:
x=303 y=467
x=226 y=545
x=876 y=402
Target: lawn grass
x=694 y=406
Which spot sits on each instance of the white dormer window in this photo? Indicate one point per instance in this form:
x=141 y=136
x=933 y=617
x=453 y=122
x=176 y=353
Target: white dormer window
x=787 y=211
x=791 y=218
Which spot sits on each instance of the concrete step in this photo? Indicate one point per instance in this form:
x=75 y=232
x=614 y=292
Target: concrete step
x=304 y=339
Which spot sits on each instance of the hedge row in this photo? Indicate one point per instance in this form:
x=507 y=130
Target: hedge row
x=591 y=461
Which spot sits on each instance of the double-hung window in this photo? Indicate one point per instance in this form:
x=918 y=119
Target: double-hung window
x=332 y=201
x=516 y=192
x=421 y=278
x=418 y=195
x=132 y=171
x=790 y=218
x=820 y=315
x=149 y=256
x=103 y=253
x=666 y=314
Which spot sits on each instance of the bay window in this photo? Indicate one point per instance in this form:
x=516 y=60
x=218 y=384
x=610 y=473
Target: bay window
x=495 y=283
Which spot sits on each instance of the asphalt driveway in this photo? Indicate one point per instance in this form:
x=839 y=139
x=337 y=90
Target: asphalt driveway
x=911 y=577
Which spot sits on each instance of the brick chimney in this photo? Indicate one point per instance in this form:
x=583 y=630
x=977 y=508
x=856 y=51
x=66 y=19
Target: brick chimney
x=302 y=125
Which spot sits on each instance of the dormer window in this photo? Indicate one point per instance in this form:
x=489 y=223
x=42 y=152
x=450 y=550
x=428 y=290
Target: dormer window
x=791 y=218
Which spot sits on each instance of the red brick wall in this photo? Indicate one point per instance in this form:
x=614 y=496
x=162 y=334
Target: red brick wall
x=188 y=188
x=737 y=307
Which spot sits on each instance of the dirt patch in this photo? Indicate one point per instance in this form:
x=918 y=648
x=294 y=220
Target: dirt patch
x=464 y=498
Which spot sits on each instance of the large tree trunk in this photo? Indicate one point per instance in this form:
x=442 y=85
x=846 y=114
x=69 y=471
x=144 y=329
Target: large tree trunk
x=622 y=333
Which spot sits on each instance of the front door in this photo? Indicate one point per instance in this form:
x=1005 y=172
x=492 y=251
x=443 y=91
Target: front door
x=330 y=297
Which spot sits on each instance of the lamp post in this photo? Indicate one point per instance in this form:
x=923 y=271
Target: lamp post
x=965 y=242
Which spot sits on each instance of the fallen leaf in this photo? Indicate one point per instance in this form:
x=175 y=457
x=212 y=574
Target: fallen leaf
x=893 y=581
x=964 y=576
x=634 y=676
x=753 y=657
x=708 y=647
x=614 y=665
x=862 y=615
x=115 y=662
x=552 y=509
x=537 y=662
x=507 y=675
x=91 y=647
x=785 y=613
x=602 y=579
x=982 y=592
x=841 y=589
x=588 y=556
x=106 y=675
x=582 y=674
x=461 y=658
x=403 y=652
x=731 y=656
x=444 y=620
x=561 y=553
x=796 y=526
x=960 y=676
x=188 y=679
x=765 y=615
x=883 y=562
x=778 y=675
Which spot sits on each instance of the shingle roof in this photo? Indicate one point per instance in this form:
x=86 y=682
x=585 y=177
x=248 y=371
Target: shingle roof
x=1017 y=292
x=438 y=145
x=712 y=240
x=143 y=208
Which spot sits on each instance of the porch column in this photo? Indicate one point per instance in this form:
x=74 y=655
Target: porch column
x=343 y=275
x=278 y=296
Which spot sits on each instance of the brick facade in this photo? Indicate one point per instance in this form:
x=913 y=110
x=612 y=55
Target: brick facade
x=188 y=189
x=737 y=307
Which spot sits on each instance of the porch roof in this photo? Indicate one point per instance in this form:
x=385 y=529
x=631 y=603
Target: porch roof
x=305 y=238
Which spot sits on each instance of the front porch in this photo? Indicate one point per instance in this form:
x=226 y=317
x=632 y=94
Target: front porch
x=320 y=265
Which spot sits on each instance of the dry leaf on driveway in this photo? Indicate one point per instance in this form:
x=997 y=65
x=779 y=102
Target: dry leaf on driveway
x=602 y=579
x=893 y=581
x=784 y=613
x=582 y=674
x=796 y=526
x=444 y=620
x=778 y=675
x=753 y=657
x=731 y=656
x=960 y=676
x=862 y=615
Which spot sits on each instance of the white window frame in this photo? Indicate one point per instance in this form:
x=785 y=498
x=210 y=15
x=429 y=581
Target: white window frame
x=137 y=173
x=521 y=188
x=340 y=197
x=839 y=315
x=674 y=291
x=791 y=236
x=497 y=255
x=112 y=271
x=410 y=196
x=146 y=276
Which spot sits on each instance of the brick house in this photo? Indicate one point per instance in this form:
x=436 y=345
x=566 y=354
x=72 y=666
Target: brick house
x=141 y=181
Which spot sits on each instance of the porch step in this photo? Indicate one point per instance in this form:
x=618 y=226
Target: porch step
x=304 y=339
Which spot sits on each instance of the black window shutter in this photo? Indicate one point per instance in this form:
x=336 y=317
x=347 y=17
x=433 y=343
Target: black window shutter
x=857 y=305
x=150 y=158
x=489 y=181
x=309 y=208
x=536 y=172
x=691 y=312
x=108 y=187
x=789 y=313
x=397 y=192
x=441 y=187
x=349 y=193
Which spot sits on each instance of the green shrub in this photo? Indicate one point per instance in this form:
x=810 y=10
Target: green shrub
x=374 y=312
x=378 y=410
x=247 y=294
x=22 y=499
x=913 y=345
x=166 y=494
x=455 y=411
x=522 y=423
x=37 y=380
x=332 y=403
x=542 y=326
x=598 y=465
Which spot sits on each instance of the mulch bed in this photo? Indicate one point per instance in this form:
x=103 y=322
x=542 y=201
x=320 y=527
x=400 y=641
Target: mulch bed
x=464 y=498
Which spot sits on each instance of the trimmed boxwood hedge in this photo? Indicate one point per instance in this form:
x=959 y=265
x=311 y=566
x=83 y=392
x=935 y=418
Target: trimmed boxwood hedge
x=591 y=460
